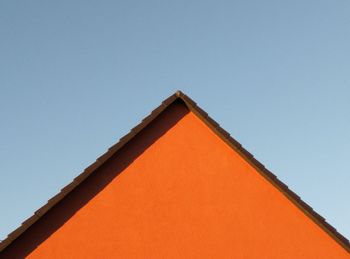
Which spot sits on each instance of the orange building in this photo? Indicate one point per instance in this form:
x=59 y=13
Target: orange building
x=176 y=186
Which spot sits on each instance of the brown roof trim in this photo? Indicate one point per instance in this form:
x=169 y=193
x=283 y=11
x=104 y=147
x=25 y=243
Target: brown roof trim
x=224 y=135
x=293 y=197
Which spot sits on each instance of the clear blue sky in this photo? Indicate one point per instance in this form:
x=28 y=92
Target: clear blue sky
x=75 y=76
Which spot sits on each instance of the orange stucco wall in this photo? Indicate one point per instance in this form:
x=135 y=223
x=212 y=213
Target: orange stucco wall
x=187 y=195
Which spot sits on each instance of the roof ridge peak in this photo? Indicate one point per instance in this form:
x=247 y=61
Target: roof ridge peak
x=225 y=136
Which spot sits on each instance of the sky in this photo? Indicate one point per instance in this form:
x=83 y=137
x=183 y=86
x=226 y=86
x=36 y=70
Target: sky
x=75 y=76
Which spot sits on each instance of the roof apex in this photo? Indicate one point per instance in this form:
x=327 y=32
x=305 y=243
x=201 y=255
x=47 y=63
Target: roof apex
x=224 y=135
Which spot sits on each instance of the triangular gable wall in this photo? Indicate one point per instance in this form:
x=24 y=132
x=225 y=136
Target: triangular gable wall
x=135 y=132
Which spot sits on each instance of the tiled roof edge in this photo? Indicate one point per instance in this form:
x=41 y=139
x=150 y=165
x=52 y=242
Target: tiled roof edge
x=272 y=178
x=88 y=171
x=224 y=135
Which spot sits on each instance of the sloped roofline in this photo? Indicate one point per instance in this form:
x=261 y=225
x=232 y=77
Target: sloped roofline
x=224 y=135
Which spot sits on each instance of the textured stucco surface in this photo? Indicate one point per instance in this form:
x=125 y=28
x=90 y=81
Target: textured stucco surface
x=186 y=195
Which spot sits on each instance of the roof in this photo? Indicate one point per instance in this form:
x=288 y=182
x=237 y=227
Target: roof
x=224 y=135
